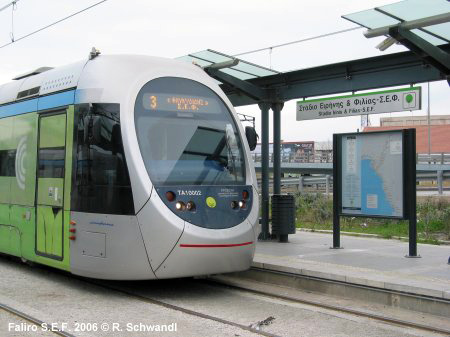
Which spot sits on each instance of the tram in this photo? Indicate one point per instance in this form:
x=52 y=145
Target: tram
x=126 y=167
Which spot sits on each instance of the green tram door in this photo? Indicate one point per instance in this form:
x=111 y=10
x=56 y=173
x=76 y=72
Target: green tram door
x=50 y=185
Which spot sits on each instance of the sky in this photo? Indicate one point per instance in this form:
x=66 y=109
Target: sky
x=174 y=28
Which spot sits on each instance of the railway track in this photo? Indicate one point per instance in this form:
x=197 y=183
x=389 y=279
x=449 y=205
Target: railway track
x=58 y=332
x=221 y=283
x=154 y=301
x=131 y=294
x=382 y=318
x=34 y=320
x=216 y=282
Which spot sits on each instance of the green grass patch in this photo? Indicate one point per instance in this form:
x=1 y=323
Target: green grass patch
x=315 y=211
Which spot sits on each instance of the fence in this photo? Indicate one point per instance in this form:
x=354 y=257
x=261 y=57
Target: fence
x=303 y=158
x=327 y=157
x=326 y=181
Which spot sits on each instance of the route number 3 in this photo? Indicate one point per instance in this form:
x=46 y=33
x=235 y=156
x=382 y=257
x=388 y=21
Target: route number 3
x=153 y=102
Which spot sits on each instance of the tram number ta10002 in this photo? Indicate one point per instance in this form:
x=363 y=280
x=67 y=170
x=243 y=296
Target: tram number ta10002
x=189 y=193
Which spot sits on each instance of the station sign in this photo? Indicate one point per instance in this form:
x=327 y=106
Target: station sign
x=396 y=100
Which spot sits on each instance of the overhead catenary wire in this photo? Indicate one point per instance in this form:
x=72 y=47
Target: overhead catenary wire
x=14 y=7
x=12 y=3
x=270 y=48
x=298 y=41
x=52 y=24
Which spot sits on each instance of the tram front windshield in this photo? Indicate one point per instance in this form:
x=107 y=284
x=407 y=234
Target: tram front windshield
x=187 y=135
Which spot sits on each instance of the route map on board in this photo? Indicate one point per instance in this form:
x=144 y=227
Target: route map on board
x=372 y=174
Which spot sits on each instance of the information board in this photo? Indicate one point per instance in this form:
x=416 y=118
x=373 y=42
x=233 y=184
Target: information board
x=371 y=174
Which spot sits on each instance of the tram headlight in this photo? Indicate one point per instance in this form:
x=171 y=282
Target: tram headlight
x=234 y=204
x=241 y=204
x=180 y=206
x=190 y=206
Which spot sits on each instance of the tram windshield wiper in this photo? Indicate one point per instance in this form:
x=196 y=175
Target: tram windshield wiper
x=230 y=139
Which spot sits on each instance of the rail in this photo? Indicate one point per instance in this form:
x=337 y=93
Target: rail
x=251 y=280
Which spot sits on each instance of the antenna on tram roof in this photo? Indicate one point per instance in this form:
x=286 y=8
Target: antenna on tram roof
x=94 y=53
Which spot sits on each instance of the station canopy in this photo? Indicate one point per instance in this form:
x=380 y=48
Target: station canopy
x=404 y=11
x=243 y=70
x=422 y=26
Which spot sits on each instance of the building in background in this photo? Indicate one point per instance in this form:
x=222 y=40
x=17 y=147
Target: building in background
x=439 y=130
x=324 y=151
x=290 y=151
x=310 y=151
x=415 y=120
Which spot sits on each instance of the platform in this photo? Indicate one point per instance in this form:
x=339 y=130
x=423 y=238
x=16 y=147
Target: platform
x=372 y=262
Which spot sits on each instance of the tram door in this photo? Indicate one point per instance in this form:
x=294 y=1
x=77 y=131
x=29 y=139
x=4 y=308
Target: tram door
x=50 y=185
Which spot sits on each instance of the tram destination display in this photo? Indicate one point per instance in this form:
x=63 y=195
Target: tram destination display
x=179 y=103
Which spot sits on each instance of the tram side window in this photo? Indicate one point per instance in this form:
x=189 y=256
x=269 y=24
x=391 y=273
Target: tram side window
x=51 y=162
x=7 y=163
x=101 y=183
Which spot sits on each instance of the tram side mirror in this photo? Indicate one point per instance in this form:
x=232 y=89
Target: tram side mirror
x=252 y=137
x=92 y=129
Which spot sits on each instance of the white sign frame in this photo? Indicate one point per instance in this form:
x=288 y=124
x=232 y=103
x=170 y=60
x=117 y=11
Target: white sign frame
x=396 y=100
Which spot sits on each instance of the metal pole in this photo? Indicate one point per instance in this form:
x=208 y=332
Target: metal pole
x=264 y=235
x=336 y=218
x=277 y=107
x=300 y=184
x=327 y=184
x=429 y=124
x=440 y=176
x=411 y=188
x=413 y=228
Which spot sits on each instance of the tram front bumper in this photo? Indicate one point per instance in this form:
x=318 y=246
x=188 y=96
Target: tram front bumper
x=202 y=251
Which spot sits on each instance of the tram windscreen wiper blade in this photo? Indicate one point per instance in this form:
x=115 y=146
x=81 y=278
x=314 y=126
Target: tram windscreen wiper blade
x=229 y=135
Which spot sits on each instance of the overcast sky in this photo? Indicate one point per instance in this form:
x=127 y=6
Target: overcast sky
x=173 y=28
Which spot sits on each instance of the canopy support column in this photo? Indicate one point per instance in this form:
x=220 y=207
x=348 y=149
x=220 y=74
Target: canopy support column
x=264 y=235
x=277 y=107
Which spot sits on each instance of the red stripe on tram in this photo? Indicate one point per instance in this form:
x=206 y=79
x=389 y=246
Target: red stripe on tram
x=216 y=246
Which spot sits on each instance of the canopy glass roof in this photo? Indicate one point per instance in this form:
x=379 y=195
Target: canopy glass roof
x=407 y=10
x=243 y=70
